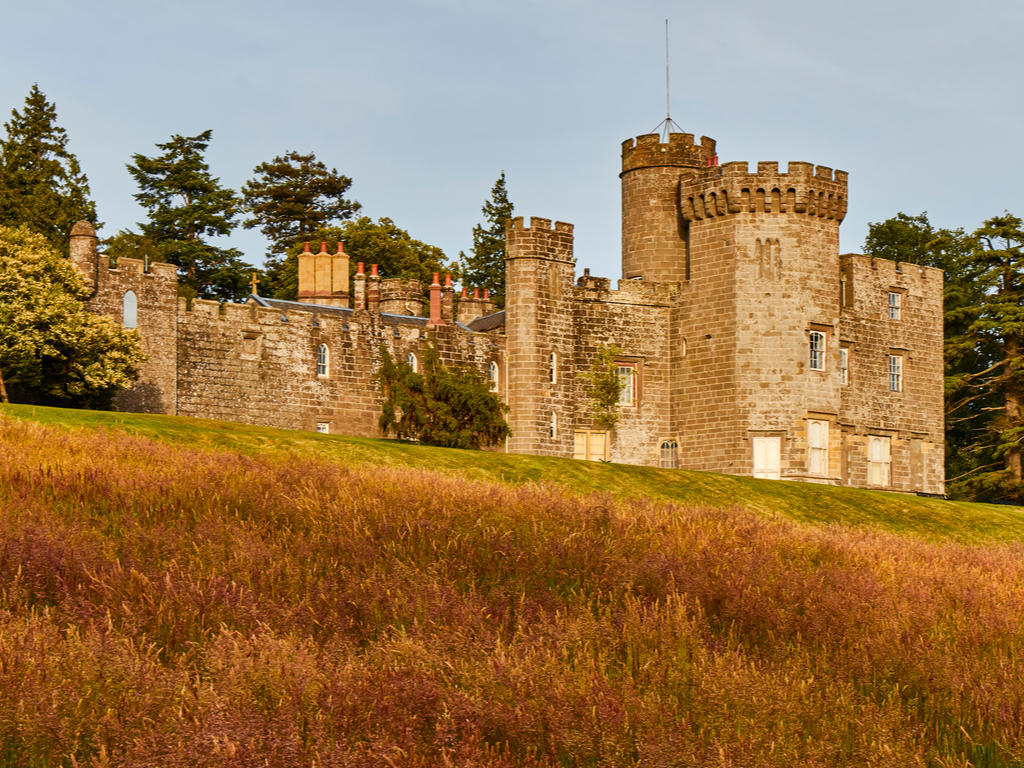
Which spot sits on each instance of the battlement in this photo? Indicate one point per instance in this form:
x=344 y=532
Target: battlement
x=648 y=151
x=538 y=240
x=401 y=297
x=731 y=188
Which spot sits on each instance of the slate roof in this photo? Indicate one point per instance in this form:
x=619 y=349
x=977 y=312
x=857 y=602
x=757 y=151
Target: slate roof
x=487 y=322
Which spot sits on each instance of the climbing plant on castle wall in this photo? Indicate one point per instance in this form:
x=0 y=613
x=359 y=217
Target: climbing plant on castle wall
x=51 y=348
x=41 y=183
x=603 y=386
x=447 y=406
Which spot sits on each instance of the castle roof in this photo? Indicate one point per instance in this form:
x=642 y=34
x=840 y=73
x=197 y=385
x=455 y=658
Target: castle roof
x=487 y=322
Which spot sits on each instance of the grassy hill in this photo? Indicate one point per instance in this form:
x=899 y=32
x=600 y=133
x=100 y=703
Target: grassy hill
x=178 y=593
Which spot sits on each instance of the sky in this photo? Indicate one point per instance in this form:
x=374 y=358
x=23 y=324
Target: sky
x=423 y=103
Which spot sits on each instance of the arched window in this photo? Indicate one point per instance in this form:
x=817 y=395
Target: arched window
x=492 y=376
x=669 y=455
x=413 y=362
x=323 y=360
x=553 y=368
x=131 y=310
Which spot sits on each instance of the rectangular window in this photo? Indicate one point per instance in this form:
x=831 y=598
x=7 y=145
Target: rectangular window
x=627 y=378
x=895 y=305
x=766 y=458
x=844 y=365
x=590 y=446
x=817 y=447
x=895 y=373
x=879 y=461
x=323 y=427
x=817 y=351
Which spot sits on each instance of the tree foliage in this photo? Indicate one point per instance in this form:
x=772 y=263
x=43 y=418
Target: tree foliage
x=380 y=242
x=984 y=344
x=41 y=183
x=485 y=266
x=451 y=407
x=50 y=345
x=186 y=206
x=292 y=197
x=603 y=386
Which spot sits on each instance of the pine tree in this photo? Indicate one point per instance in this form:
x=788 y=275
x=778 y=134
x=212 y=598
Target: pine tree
x=41 y=183
x=291 y=198
x=485 y=266
x=186 y=205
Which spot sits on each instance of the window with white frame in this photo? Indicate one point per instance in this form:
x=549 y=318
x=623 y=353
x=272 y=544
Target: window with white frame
x=492 y=376
x=817 y=348
x=767 y=464
x=323 y=360
x=413 y=362
x=669 y=458
x=879 y=461
x=895 y=305
x=553 y=368
x=131 y=310
x=895 y=373
x=323 y=427
x=844 y=365
x=817 y=447
x=553 y=426
x=628 y=381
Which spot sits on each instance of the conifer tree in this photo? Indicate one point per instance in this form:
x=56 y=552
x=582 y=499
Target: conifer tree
x=186 y=206
x=41 y=183
x=485 y=266
x=292 y=197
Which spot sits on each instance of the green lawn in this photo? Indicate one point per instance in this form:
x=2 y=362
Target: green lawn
x=801 y=501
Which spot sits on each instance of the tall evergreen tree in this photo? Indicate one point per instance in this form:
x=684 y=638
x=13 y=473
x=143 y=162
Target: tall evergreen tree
x=41 y=183
x=186 y=205
x=292 y=197
x=485 y=266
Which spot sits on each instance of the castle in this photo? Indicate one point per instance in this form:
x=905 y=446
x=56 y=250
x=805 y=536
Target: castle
x=749 y=345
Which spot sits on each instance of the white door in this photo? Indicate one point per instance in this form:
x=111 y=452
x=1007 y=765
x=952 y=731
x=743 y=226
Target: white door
x=767 y=462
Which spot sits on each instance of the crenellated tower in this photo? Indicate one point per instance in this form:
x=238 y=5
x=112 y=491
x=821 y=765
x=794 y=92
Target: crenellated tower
x=539 y=272
x=654 y=237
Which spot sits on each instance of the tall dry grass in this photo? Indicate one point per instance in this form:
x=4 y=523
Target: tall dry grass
x=161 y=606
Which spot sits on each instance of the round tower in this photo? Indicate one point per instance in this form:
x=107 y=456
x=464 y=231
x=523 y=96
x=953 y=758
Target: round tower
x=654 y=235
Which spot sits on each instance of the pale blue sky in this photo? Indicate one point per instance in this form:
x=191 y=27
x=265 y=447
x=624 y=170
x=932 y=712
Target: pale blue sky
x=424 y=102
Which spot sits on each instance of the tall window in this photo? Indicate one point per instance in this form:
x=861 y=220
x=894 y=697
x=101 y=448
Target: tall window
x=895 y=373
x=879 y=461
x=895 y=305
x=131 y=310
x=413 y=362
x=553 y=368
x=669 y=455
x=627 y=379
x=817 y=351
x=553 y=426
x=844 y=365
x=492 y=376
x=817 y=447
x=766 y=458
x=323 y=360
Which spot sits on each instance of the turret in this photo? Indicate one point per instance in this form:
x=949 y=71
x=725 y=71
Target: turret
x=654 y=237
x=83 y=251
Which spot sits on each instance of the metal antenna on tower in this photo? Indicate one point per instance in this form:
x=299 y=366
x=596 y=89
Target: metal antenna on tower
x=666 y=126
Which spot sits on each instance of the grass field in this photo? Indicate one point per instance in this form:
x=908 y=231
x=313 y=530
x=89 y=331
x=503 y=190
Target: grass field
x=181 y=593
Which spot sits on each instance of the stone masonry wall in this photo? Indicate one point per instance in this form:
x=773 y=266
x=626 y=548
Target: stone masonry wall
x=259 y=366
